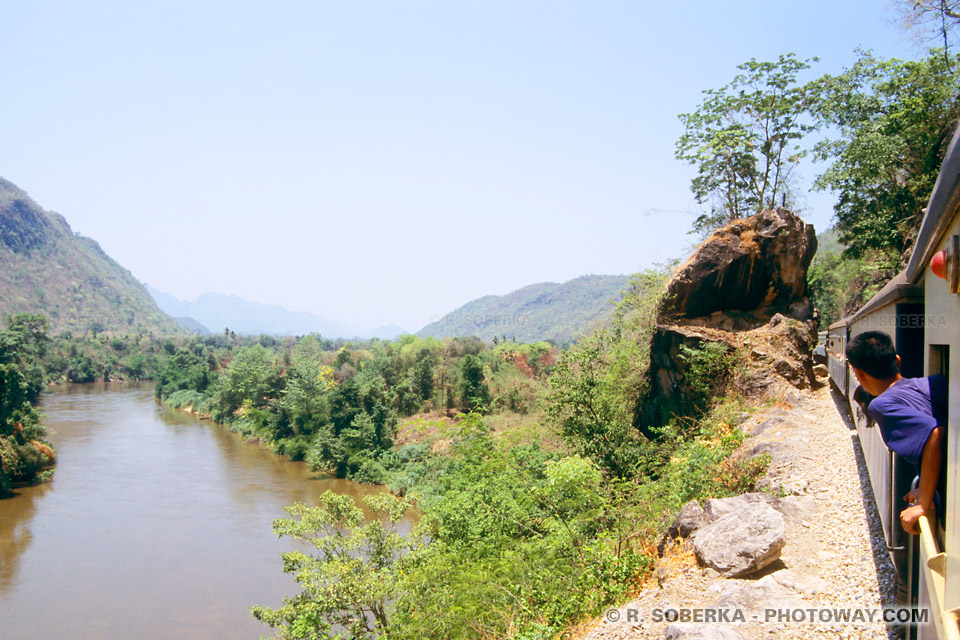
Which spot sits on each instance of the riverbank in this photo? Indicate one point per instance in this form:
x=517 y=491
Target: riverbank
x=155 y=523
x=835 y=555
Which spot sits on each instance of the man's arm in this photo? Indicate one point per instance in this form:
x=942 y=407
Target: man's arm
x=922 y=497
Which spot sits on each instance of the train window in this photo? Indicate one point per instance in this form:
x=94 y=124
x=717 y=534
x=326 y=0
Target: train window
x=909 y=338
x=939 y=360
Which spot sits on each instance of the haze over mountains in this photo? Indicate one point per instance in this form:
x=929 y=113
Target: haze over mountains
x=47 y=268
x=543 y=311
x=216 y=312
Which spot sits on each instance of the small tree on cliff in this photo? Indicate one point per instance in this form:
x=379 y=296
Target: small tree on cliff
x=744 y=140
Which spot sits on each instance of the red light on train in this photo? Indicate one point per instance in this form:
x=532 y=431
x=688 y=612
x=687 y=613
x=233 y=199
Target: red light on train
x=945 y=264
x=939 y=265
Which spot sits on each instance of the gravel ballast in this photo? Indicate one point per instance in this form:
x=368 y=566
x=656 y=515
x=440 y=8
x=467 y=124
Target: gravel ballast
x=835 y=558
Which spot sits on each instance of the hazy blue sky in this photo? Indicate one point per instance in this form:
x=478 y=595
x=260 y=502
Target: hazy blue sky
x=380 y=162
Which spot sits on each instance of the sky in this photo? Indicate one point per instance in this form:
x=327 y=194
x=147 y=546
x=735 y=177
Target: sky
x=383 y=162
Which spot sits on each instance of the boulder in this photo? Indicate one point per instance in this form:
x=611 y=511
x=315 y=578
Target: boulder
x=716 y=508
x=688 y=520
x=756 y=265
x=698 y=631
x=742 y=541
x=755 y=596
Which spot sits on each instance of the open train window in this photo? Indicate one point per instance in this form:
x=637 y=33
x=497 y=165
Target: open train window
x=939 y=360
x=909 y=338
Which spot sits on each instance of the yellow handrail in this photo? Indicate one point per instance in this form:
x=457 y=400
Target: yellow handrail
x=947 y=623
x=950 y=621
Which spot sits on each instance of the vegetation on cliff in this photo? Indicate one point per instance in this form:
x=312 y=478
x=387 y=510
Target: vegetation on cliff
x=46 y=268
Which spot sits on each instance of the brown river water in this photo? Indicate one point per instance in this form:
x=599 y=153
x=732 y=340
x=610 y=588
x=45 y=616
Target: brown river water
x=156 y=525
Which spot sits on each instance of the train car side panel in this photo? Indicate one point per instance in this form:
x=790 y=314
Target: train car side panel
x=943 y=356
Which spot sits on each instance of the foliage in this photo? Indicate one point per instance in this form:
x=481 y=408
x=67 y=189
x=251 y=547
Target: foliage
x=706 y=373
x=353 y=575
x=334 y=404
x=513 y=540
x=474 y=393
x=894 y=120
x=598 y=383
x=936 y=20
x=184 y=371
x=698 y=464
x=518 y=543
x=744 y=140
x=188 y=399
x=840 y=284
x=23 y=452
x=250 y=382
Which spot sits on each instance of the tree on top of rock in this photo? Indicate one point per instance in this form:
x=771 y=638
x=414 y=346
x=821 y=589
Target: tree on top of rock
x=745 y=141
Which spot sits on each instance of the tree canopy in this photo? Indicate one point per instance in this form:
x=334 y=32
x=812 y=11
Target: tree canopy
x=895 y=119
x=745 y=140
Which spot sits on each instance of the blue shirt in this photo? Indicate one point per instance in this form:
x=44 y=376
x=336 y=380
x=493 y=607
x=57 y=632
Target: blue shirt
x=908 y=412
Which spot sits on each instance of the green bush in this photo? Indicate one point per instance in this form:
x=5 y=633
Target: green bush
x=188 y=398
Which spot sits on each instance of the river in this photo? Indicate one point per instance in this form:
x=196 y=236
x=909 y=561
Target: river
x=156 y=525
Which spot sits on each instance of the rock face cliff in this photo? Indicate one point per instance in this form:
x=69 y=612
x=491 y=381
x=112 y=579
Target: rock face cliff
x=745 y=287
x=46 y=268
x=746 y=272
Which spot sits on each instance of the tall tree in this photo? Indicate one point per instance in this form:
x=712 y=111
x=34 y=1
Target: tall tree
x=894 y=120
x=745 y=141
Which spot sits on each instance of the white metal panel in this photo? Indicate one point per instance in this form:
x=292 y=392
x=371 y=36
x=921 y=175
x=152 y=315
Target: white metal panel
x=943 y=327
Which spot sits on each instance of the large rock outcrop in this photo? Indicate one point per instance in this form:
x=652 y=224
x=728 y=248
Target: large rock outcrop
x=745 y=287
x=750 y=270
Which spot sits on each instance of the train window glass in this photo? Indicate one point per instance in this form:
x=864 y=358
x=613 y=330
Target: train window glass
x=939 y=360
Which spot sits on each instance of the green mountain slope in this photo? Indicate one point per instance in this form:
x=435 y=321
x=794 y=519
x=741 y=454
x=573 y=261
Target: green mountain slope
x=46 y=268
x=545 y=311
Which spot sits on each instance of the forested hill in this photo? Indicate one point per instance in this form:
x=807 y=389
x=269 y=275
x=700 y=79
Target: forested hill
x=46 y=268
x=544 y=311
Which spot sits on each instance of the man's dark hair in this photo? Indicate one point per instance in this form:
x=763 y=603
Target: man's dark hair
x=873 y=352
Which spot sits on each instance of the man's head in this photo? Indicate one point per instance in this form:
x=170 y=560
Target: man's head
x=872 y=353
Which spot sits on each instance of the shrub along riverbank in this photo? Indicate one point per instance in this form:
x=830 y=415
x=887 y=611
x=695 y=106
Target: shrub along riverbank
x=24 y=454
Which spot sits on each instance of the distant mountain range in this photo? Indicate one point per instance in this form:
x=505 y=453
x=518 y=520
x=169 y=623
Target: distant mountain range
x=47 y=268
x=545 y=311
x=216 y=312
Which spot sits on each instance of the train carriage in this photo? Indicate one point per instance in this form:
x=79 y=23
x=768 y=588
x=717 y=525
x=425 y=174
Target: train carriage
x=920 y=310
